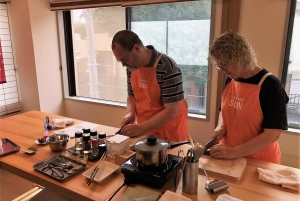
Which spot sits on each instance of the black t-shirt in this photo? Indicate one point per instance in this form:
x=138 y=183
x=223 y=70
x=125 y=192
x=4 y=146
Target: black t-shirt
x=273 y=100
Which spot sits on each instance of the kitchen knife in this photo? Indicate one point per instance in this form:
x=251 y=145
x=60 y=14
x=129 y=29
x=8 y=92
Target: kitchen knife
x=210 y=144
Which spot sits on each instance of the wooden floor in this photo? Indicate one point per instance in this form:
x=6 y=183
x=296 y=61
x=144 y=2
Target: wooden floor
x=12 y=186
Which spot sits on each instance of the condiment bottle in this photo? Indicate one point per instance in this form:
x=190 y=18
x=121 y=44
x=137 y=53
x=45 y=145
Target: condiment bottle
x=86 y=131
x=78 y=142
x=87 y=144
x=94 y=142
x=102 y=141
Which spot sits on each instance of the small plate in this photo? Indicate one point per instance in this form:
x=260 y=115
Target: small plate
x=37 y=142
x=29 y=151
x=106 y=169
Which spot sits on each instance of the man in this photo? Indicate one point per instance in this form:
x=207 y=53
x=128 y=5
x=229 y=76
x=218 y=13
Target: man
x=155 y=93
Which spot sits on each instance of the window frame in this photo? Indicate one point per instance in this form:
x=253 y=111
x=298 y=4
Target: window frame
x=70 y=91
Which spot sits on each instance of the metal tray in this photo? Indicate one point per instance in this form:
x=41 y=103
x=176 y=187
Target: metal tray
x=58 y=173
x=8 y=147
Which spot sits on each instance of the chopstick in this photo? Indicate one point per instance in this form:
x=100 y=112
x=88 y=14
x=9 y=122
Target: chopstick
x=96 y=169
x=191 y=141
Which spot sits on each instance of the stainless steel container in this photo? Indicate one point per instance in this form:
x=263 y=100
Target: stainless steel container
x=58 y=142
x=190 y=178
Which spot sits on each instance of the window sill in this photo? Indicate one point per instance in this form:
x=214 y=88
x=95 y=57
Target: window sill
x=111 y=103
x=294 y=131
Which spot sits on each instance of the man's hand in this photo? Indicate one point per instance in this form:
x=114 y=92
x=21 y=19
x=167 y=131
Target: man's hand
x=132 y=130
x=129 y=118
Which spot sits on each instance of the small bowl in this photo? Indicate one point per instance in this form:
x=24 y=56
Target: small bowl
x=58 y=142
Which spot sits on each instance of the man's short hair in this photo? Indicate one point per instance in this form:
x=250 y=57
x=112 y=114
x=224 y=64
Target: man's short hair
x=126 y=39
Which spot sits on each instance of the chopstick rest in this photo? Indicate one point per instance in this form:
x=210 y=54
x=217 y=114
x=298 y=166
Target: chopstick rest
x=94 y=173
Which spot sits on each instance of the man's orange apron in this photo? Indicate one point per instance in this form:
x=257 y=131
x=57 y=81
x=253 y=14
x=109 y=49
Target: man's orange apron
x=242 y=116
x=149 y=102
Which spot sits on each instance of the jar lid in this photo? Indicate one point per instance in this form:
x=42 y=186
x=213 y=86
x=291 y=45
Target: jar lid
x=102 y=135
x=78 y=134
x=93 y=133
x=86 y=130
x=86 y=137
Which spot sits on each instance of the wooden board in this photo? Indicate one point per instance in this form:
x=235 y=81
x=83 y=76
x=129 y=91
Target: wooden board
x=232 y=169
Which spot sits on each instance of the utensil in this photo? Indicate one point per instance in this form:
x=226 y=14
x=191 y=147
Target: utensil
x=179 y=173
x=215 y=185
x=96 y=169
x=152 y=151
x=58 y=142
x=199 y=150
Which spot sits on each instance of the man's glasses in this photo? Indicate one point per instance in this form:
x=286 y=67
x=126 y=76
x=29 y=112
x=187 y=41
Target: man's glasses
x=220 y=66
x=126 y=58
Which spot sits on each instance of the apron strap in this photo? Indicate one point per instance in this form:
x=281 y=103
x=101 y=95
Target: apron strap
x=263 y=78
x=157 y=60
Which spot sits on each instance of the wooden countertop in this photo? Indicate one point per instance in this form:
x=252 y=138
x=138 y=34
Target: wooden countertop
x=23 y=129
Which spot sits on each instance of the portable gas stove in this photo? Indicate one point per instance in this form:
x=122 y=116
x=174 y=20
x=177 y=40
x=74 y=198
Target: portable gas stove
x=154 y=177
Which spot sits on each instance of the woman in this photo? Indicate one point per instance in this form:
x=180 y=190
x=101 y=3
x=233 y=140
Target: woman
x=253 y=107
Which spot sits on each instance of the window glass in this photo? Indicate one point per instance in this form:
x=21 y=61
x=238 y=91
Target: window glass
x=180 y=30
x=292 y=85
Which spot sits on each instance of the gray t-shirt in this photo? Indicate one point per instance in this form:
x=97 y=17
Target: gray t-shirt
x=168 y=75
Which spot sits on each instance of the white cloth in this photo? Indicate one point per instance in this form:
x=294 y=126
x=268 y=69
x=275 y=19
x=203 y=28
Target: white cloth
x=225 y=197
x=287 y=177
x=169 y=195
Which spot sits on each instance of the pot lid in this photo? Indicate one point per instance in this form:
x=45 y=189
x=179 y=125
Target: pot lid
x=151 y=143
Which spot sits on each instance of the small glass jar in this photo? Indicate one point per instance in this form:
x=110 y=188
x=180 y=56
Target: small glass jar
x=94 y=143
x=87 y=144
x=78 y=142
x=86 y=131
x=102 y=141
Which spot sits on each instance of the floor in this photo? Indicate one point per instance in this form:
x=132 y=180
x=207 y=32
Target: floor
x=12 y=186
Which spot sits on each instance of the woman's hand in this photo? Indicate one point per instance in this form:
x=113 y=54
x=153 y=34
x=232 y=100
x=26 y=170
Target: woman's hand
x=221 y=151
x=219 y=132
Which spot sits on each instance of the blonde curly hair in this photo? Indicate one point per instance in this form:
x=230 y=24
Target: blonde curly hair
x=232 y=47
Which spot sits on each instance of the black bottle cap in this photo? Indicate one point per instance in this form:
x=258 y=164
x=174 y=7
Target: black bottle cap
x=102 y=135
x=78 y=134
x=86 y=130
x=93 y=133
x=86 y=137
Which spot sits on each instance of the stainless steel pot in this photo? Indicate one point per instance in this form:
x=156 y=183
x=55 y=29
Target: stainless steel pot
x=152 y=151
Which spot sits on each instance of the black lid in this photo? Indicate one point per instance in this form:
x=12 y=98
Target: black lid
x=86 y=137
x=93 y=133
x=86 y=130
x=78 y=134
x=102 y=135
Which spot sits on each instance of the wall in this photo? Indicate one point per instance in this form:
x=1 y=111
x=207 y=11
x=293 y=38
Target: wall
x=36 y=53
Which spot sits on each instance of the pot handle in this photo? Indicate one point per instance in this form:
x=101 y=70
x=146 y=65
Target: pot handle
x=176 y=144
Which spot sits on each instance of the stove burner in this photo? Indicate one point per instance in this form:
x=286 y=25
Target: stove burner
x=149 y=176
x=151 y=169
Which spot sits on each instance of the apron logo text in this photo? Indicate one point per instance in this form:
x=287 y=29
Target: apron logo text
x=236 y=102
x=142 y=83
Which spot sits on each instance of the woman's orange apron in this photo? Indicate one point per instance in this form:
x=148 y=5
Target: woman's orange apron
x=242 y=116
x=149 y=102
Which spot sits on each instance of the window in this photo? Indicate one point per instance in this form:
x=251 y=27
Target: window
x=165 y=26
x=9 y=98
x=291 y=74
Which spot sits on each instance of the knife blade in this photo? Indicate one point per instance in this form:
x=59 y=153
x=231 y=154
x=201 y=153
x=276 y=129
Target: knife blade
x=210 y=144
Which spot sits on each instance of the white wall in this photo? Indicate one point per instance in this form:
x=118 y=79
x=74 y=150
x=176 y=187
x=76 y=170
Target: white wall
x=36 y=52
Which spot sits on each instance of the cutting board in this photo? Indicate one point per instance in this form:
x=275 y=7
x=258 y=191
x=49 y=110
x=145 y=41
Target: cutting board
x=231 y=169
